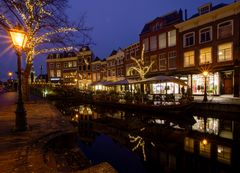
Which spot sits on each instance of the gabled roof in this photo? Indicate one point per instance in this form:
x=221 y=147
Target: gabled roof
x=114 y=52
x=166 y=20
x=61 y=55
x=97 y=59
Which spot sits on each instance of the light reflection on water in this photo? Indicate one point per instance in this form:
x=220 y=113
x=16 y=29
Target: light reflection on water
x=155 y=142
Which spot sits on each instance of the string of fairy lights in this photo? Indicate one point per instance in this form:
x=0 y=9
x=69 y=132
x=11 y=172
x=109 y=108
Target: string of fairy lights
x=142 y=69
x=32 y=23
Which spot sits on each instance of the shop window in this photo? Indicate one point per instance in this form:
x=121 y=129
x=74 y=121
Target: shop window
x=172 y=60
x=224 y=154
x=225 y=29
x=162 y=62
x=213 y=85
x=172 y=38
x=162 y=41
x=153 y=43
x=189 y=59
x=205 y=55
x=205 y=35
x=225 y=52
x=189 y=39
x=189 y=144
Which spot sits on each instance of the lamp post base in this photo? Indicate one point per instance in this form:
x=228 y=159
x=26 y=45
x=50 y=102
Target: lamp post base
x=205 y=98
x=21 y=120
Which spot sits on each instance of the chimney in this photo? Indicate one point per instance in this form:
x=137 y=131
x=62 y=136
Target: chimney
x=180 y=14
x=185 y=14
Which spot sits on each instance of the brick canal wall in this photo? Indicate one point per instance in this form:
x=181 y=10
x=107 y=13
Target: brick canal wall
x=222 y=110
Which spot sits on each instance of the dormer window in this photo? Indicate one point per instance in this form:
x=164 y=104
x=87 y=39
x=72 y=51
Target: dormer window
x=205 y=9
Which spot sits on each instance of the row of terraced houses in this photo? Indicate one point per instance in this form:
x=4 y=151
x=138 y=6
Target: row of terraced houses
x=179 y=46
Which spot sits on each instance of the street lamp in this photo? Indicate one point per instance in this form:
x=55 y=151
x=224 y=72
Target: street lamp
x=10 y=75
x=19 y=39
x=205 y=74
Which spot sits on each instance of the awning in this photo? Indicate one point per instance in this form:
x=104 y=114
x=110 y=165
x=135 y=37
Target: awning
x=105 y=83
x=122 y=82
x=162 y=79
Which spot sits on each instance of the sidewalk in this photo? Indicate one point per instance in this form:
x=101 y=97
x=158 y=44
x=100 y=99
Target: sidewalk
x=224 y=99
x=22 y=152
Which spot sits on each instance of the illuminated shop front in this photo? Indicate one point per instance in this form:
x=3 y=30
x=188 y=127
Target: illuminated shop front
x=164 y=88
x=213 y=83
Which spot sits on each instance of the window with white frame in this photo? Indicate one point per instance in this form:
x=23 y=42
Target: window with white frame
x=225 y=52
x=70 y=64
x=162 y=41
x=52 y=73
x=65 y=65
x=189 y=59
x=153 y=42
x=205 y=55
x=205 y=35
x=146 y=44
x=58 y=65
x=204 y=9
x=225 y=29
x=162 y=62
x=189 y=39
x=172 y=38
x=58 y=73
x=172 y=60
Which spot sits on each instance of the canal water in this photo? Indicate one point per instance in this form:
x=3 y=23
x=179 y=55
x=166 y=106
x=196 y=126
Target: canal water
x=144 y=142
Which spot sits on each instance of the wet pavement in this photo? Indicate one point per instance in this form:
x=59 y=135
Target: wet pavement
x=23 y=152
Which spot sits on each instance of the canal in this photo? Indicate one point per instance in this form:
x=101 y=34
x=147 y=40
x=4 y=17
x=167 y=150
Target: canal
x=145 y=142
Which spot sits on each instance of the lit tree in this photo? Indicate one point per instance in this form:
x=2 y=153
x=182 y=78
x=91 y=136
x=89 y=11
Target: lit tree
x=48 y=28
x=142 y=68
x=140 y=142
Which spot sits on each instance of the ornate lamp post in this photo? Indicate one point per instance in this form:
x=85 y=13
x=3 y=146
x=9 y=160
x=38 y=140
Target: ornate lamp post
x=205 y=74
x=19 y=39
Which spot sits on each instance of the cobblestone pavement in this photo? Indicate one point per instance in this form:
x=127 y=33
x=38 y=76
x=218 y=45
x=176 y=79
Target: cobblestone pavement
x=22 y=152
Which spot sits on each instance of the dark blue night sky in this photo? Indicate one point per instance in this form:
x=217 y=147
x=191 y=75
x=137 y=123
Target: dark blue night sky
x=116 y=23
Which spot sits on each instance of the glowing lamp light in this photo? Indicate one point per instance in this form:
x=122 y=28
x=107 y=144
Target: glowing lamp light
x=205 y=142
x=19 y=37
x=10 y=74
x=205 y=73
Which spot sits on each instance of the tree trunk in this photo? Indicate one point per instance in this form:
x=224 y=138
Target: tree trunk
x=26 y=87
